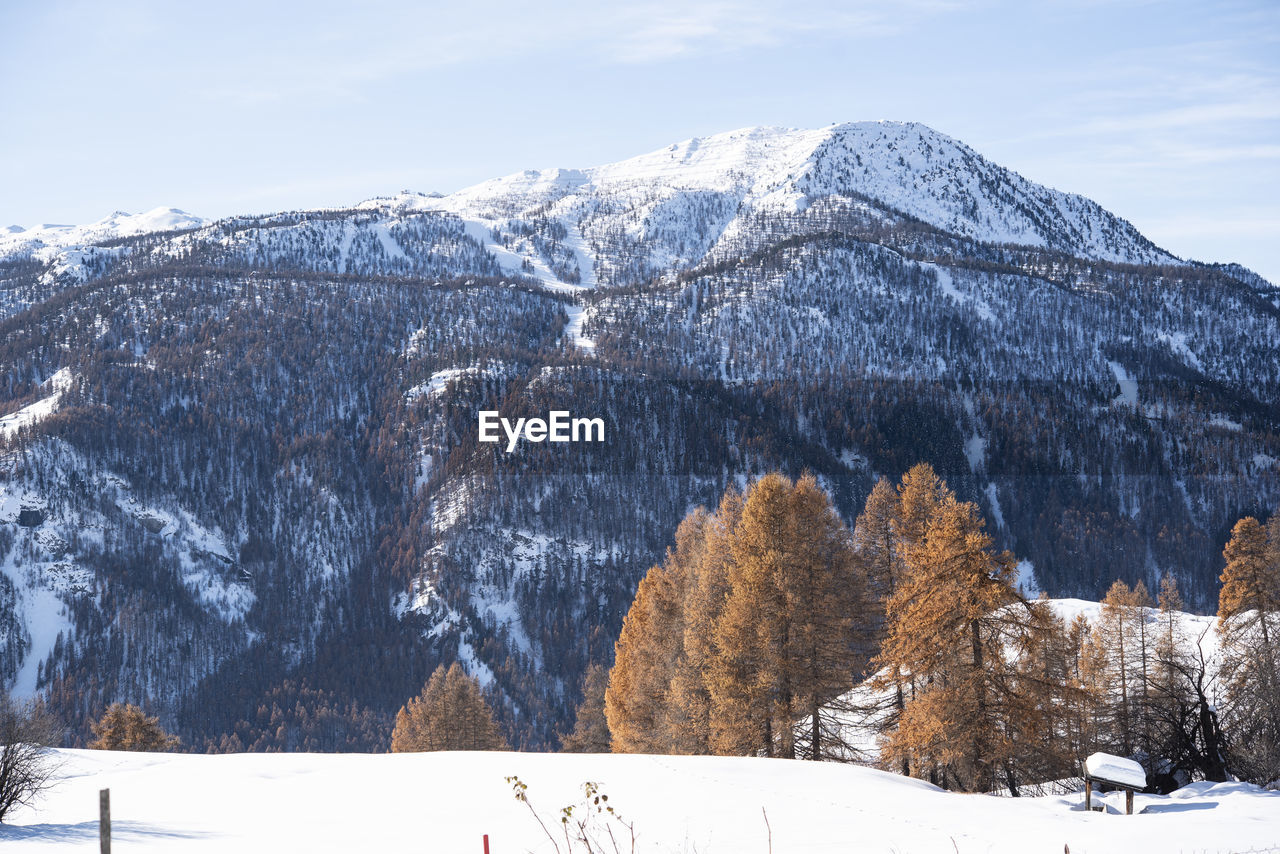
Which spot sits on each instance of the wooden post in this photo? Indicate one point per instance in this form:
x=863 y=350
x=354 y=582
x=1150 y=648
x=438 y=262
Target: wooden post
x=1088 y=795
x=104 y=820
x=486 y=843
x=1128 y=801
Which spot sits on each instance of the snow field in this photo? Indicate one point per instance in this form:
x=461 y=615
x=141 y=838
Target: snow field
x=446 y=802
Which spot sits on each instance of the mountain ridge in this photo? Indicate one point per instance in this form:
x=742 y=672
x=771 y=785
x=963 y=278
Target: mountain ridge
x=945 y=184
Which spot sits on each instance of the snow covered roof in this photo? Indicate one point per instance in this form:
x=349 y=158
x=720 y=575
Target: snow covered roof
x=1116 y=769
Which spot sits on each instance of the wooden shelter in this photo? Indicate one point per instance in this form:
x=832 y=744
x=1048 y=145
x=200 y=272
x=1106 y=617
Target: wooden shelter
x=1116 y=772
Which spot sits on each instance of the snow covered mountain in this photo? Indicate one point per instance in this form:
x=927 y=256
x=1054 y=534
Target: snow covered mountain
x=119 y=224
x=251 y=443
x=707 y=197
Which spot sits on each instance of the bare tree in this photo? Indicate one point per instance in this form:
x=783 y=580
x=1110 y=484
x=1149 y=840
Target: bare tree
x=26 y=766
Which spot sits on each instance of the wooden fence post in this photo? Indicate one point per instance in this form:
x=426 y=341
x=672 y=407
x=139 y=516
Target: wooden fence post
x=104 y=820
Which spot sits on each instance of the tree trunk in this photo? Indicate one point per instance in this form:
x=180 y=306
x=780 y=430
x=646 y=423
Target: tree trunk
x=816 y=754
x=901 y=702
x=981 y=762
x=1011 y=780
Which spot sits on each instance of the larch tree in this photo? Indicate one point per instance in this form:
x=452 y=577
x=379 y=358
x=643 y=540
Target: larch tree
x=1084 y=684
x=1249 y=629
x=920 y=495
x=950 y=621
x=787 y=640
x=590 y=727
x=649 y=646
x=877 y=547
x=450 y=714
x=825 y=595
x=124 y=726
x=1048 y=737
x=1186 y=735
x=1118 y=644
x=689 y=702
x=749 y=689
x=1169 y=704
x=1141 y=603
x=892 y=523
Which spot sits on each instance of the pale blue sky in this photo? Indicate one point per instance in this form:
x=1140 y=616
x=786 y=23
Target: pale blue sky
x=1167 y=113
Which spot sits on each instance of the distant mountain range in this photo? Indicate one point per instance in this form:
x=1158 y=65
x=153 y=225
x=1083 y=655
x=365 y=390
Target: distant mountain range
x=242 y=468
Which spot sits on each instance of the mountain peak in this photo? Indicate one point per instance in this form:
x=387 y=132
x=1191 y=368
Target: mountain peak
x=903 y=166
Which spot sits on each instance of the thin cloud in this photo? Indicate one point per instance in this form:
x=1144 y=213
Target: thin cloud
x=340 y=64
x=660 y=31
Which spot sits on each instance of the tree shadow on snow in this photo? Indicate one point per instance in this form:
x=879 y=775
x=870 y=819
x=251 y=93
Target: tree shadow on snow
x=88 y=830
x=1178 y=807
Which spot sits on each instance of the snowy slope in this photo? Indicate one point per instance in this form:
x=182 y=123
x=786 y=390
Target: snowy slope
x=118 y=224
x=48 y=561
x=944 y=182
x=675 y=204
x=71 y=250
x=906 y=166
x=33 y=413
x=447 y=802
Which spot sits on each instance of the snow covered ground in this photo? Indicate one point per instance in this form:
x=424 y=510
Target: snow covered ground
x=446 y=802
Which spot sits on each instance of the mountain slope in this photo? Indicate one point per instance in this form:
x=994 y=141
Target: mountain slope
x=292 y=399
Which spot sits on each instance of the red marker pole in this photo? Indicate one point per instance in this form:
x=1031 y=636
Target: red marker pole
x=486 y=843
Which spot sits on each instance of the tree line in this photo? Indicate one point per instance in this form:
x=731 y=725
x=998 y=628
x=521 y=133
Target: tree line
x=771 y=629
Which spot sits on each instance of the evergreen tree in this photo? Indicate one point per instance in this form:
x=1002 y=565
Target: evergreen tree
x=449 y=714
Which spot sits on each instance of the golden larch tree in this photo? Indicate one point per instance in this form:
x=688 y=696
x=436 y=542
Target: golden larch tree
x=689 y=701
x=124 y=726
x=1249 y=629
x=649 y=645
x=950 y=621
x=450 y=714
x=788 y=639
x=590 y=726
